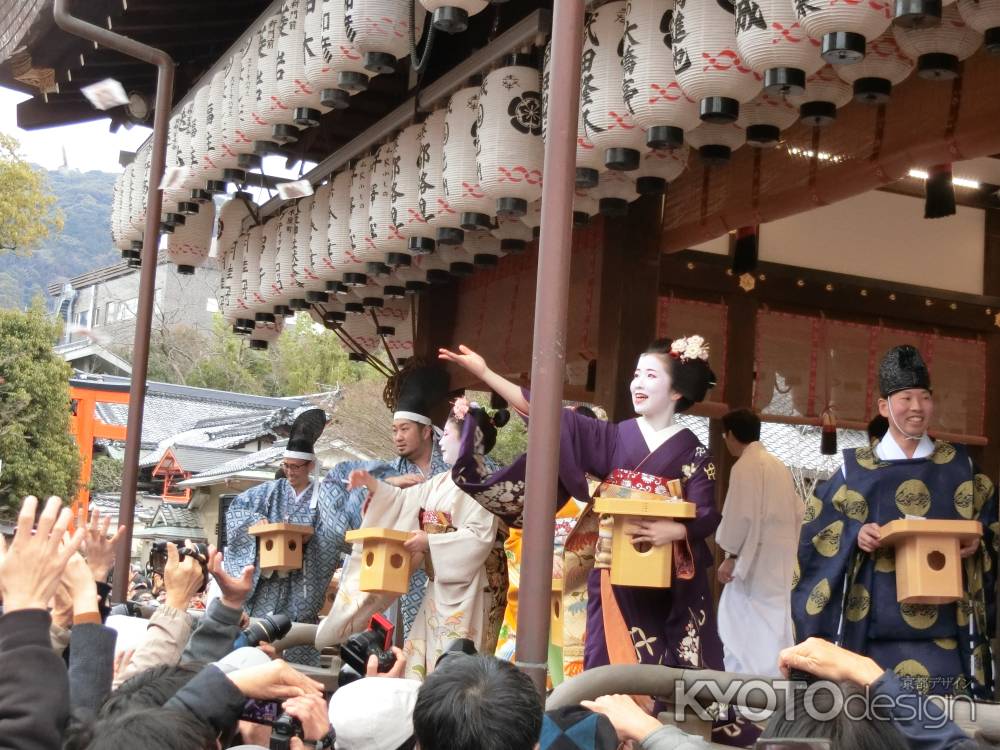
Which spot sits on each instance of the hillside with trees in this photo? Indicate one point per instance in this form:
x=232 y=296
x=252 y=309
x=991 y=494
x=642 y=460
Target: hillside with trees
x=83 y=244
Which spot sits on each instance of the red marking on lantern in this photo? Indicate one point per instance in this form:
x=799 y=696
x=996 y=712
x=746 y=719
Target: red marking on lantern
x=349 y=53
x=669 y=93
x=394 y=233
x=788 y=33
x=531 y=176
x=444 y=206
x=724 y=61
x=415 y=217
x=276 y=103
x=303 y=87
x=472 y=191
x=619 y=121
x=583 y=143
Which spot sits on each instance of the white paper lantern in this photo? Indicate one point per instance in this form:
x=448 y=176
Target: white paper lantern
x=245 y=126
x=509 y=137
x=458 y=259
x=407 y=212
x=939 y=49
x=321 y=249
x=706 y=61
x=589 y=160
x=188 y=246
x=175 y=198
x=232 y=215
x=585 y=206
x=444 y=220
x=774 y=44
x=658 y=168
x=266 y=109
x=216 y=160
x=361 y=238
x=118 y=198
x=460 y=168
x=252 y=301
x=825 y=93
x=388 y=245
x=350 y=270
x=269 y=270
x=203 y=114
x=399 y=343
x=381 y=30
x=305 y=262
x=291 y=251
x=139 y=192
x=884 y=66
x=232 y=304
x=266 y=333
x=435 y=268
x=533 y=219
x=715 y=142
x=983 y=16
x=362 y=331
x=485 y=249
x=337 y=68
x=294 y=88
x=765 y=117
x=385 y=285
x=614 y=192
x=606 y=119
x=921 y=14
x=650 y=88
x=452 y=16
x=843 y=28
x=514 y=234
x=413 y=277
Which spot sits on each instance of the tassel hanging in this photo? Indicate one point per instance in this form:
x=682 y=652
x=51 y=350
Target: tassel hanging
x=745 y=250
x=940 y=200
x=828 y=439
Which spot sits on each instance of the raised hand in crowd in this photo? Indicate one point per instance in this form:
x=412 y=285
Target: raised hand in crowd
x=78 y=581
x=98 y=548
x=235 y=590
x=313 y=713
x=30 y=568
x=276 y=680
x=182 y=578
x=474 y=364
x=398 y=669
x=361 y=478
x=630 y=721
x=122 y=660
x=826 y=661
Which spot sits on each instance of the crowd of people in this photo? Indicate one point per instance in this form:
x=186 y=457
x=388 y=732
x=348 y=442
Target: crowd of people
x=812 y=571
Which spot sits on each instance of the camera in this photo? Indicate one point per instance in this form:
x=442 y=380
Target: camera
x=283 y=729
x=377 y=641
x=158 y=559
x=458 y=646
x=266 y=629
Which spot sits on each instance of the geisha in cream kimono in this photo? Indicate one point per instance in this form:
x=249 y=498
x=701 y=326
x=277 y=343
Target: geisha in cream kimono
x=453 y=538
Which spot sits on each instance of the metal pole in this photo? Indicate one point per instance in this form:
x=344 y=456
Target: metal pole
x=548 y=365
x=147 y=275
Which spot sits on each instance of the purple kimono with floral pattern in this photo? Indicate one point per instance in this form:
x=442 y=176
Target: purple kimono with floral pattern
x=674 y=626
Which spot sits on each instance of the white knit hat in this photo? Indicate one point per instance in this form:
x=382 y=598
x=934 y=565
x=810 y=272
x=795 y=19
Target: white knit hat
x=374 y=713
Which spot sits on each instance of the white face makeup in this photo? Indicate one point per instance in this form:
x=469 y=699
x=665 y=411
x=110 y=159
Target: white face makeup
x=450 y=442
x=650 y=386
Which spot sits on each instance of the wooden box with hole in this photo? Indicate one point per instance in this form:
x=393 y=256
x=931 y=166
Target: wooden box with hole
x=642 y=564
x=928 y=563
x=556 y=620
x=281 y=545
x=385 y=564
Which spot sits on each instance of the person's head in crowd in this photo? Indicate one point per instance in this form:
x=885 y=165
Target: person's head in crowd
x=671 y=376
x=740 y=427
x=477 y=703
x=420 y=391
x=161 y=729
x=877 y=429
x=577 y=728
x=487 y=425
x=906 y=400
x=375 y=713
x=844 y=730
x=150 y=688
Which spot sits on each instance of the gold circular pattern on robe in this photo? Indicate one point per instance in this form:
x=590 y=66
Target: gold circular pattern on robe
x=983 y=492
x=866 y=458
x=917 y=675
x=944 y=453
x=885 y=559
x=818 y=597
x=948 y=644
x=913 y=498
x=858 y=603
x=814 y=506
x=827 y=541
x=796 y=574
x=974 y=583
x=852 y=504
x=962 y=611
x=979 y=655
x=963 y=499
x=919 y=616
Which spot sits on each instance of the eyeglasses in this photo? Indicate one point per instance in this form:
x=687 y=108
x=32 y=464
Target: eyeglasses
x=293 y=467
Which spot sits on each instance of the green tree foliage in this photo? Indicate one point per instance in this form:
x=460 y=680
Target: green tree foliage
x=84 y=244
x=305 y=359
x=106 y=474
x=512 y=439
x=28 y=212
x=38 y=453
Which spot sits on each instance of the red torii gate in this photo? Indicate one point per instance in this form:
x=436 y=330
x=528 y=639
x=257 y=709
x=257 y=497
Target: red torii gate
x=85 y=426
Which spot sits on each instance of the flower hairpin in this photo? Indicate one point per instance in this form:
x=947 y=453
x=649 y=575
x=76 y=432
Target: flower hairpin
x=460 y=408
x=691 y=347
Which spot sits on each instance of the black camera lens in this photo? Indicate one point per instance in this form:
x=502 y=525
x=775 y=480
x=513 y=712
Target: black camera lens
x=266 y=629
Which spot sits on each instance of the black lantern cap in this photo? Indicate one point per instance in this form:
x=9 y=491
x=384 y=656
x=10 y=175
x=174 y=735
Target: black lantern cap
x=185 y=270
x=234 y=175
x=373 y=303
x=376 y=268
x=258 y=344
x=785 y=81
x=438 y=276
x=720 y=110
x=249 y=161
x=420 y=245
x=352 y=81
x=514 y=208
x=586 y=177
x=651 y=186
x=393 y=291
x=188 y=208
x=415 y=287
x=917 y=14
x=991 y=40
x=937 y=66
x=354 y=307
x=264 y=317
x=380 y=63
x=335 y=98
x=580 y=219
x=872 y=90
x=306 y=117
x=450 y=236
x=284 y=133
x=200 y=195
x=819 y=114
x=843 y=47
x=336 y=287
x=355 y=279
x=613 y=207
x=317 y=297
x=216 y=187
x=334 y=316
x=398 y=259
x=450 y=20
x=461 y=268
x=763 y=136
x=513 y=246
x=715 y=154
x=621 y=159
x=664 y=136
x=485 y=260
x=472 y=220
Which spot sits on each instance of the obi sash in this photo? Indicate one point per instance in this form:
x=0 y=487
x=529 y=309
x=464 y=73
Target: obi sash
x=434 y=522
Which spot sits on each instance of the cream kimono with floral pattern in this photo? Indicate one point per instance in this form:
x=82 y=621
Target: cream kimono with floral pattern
x=458 y=596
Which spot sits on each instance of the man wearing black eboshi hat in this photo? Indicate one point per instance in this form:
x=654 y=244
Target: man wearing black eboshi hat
x=846 y=578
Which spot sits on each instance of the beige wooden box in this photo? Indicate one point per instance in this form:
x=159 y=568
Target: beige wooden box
x=928 y=564
x=385 y=564
x=281 y=544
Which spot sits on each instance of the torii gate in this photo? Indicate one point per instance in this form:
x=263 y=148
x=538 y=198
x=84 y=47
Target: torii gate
x=85 y=426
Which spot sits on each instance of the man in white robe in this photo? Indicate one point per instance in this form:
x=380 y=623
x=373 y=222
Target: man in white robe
x=759 y=533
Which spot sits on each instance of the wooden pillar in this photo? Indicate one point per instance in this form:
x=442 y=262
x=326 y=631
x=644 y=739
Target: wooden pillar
x=989 y=459
x=630 y=284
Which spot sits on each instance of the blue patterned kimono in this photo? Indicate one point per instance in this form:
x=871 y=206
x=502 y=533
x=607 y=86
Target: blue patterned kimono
x=301 y=593
x=848 y=596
